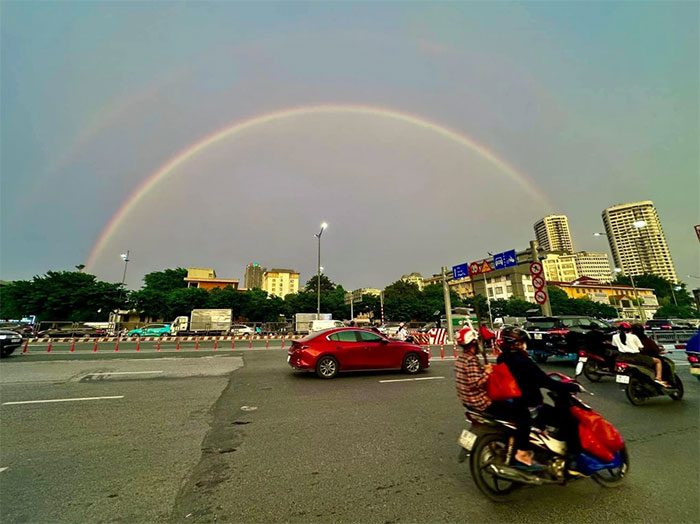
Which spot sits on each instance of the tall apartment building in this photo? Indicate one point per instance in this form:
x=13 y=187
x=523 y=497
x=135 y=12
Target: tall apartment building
x=638 y=250
x=593 y=265
x=253 y=278
x=559 y=267
x=552 y=233
x=280 y=282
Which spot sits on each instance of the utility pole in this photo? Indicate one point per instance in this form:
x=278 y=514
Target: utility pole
x=546 y=307
x=448 y=305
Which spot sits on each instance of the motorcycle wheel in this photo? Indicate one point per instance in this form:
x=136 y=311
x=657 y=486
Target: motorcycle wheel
x=590 y=370
x=677 y=395
x=612 y=478
x=635 y=392
x=490 y=449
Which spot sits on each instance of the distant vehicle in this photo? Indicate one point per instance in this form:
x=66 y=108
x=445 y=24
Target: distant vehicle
x=203 y=321
x=350 y=349
x=560 y=335
x=150 y=330
x=668 y=323
x=320 y=325
x=72 y=332
x=241 y=329
x=389 y=329
x=302 y=321
x=9 y=341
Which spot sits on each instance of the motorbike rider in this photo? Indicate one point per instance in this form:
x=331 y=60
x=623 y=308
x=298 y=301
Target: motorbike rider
x=651 y=349
x=629 y=345
x=402 y=333
x=471 y=377
x=531 y=378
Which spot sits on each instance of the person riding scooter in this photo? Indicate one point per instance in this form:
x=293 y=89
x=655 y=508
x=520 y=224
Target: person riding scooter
x=629 y=346
x=471 y=377
x=530 y=379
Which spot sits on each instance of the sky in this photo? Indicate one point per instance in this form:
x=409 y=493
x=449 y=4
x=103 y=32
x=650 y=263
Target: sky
x=426 y=134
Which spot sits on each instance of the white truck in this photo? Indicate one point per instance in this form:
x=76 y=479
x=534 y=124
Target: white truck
x=302 y=321
x=203 y=322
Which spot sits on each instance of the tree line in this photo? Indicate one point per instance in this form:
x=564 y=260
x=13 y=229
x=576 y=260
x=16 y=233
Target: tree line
x=78 y=296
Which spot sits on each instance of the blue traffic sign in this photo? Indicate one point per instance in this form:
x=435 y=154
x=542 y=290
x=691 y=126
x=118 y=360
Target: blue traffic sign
x=505 y=259
x=460 y=271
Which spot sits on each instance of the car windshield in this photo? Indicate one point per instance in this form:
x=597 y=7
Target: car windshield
x=542 y=324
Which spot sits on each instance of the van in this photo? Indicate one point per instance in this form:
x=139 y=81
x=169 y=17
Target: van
x=320 y=325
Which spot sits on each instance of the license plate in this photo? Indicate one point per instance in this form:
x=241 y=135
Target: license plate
x=537 y=336
x=467 y=439
x=695 y=371
x=583 y=359
x=288 y=358
x=579 y=367
x=16 y=339
x=622 y=379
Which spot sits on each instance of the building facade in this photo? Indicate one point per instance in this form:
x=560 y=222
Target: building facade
x=560 y=267
x=638 y=250
x=253 y=278
x=205 y=278
x=621 y=297
x=280 y=282
x=552 y=234
x=414 y=278
x=593 y=265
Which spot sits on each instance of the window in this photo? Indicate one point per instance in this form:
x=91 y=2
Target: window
x=365 y=336
x=344 y=336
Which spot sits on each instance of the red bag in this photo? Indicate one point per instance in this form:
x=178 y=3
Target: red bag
x=501 y=385
x=598 y=436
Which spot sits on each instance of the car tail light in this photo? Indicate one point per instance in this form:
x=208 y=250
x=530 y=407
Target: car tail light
x=558 y=331
x=621 y=367
x=666 y=326
x=582 y=353
x=693 y=359
x=680 y=346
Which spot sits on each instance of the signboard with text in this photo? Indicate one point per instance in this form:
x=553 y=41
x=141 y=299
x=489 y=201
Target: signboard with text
x=460 y=271
x=505 y=259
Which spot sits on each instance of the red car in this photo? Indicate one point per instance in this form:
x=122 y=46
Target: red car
x=350 y=349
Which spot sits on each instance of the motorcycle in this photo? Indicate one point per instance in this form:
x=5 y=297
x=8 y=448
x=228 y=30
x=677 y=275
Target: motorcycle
x=640 y=386
x=489 y=445
x=694 y=361
x=594 y=366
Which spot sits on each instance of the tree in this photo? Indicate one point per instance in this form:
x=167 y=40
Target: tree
x=165 y=280
x=663 y=289
x=61 y=295
x=326 y=284
x=673 y=311
x=401 y=301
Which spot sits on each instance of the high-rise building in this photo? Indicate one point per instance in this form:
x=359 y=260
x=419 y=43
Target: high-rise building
x=637 y=240
x=253 y=276
x=559 y=267
x=552 y=233
x=281 y=282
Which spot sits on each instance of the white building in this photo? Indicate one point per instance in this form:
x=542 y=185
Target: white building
x=280 y=282
x=594 y=265
x=638 y=250
x=552 y=233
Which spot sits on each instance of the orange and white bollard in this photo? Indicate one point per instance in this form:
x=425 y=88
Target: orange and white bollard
x=233 y=342
x=250 y=341
x=138 y=344
x=442 y=351
x=216 y=344
x=196 y=343
x=116 y=345
x=267 y=342
x=95 y=345
x=177 y=344
x=72 y=345
x=158 y=344
x=49 y=348
x=25 y=349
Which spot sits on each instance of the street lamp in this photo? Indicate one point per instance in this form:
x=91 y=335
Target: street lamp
x=125 y=258
x=318 y=272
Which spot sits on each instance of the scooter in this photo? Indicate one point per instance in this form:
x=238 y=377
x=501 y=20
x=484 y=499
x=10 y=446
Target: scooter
x=640 y=386
x=489 y=445
x=694 y=361
x=594 y=366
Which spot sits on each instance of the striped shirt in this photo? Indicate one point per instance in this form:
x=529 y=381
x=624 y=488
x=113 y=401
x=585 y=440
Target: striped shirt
x=471 y=382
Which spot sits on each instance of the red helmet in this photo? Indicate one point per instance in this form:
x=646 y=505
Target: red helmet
x=466 y=336
x=625 y=325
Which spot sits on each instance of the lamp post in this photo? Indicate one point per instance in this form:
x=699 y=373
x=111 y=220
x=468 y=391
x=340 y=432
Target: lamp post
x=318 y=272
x=637 y=224
x=125 y=258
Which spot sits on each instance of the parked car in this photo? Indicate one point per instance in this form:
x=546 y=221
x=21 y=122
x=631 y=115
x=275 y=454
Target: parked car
x=667 y=323
x=320 y=325
x=389 y=329
x=560 y=335
x=350 y=349
x=72 y=332
x=9 y=341
x=150 y=330
x=241 y=329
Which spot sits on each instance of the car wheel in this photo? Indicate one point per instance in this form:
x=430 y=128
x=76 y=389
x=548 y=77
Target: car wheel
x=327 y=367
x=6 y=352
x=411 y=364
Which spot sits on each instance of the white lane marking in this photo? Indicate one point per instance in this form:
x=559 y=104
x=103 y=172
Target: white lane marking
x=2 y=469
x=126 y=373
x=59 y=400
x=409 y=379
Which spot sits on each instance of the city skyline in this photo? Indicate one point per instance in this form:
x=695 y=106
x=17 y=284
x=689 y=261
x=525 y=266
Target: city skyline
x=423 y=133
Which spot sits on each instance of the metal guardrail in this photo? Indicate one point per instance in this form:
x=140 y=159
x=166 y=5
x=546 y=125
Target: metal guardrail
x=670 y=336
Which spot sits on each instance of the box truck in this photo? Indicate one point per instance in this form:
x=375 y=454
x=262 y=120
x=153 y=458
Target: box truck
x=203 y=322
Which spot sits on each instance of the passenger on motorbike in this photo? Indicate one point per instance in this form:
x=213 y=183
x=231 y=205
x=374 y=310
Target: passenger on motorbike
x=629 y=345
x=471 y=377
x=530 y=379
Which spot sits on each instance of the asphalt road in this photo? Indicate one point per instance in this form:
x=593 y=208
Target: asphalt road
x=239 y=437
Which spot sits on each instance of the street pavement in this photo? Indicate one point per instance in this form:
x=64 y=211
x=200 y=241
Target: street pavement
x=239 y=437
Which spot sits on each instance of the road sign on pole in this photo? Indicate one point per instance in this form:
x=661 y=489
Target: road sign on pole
x=538 y=282
x=540 y=296
x=460 y=271
x=536 y=268
x=505 y=259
